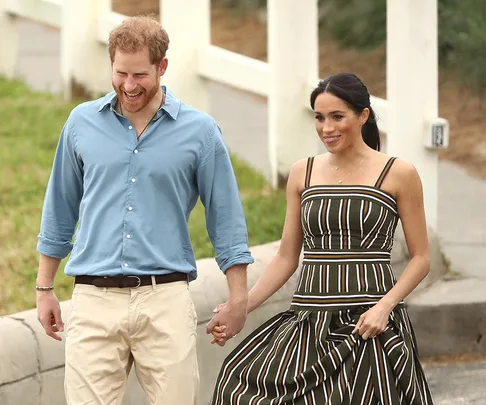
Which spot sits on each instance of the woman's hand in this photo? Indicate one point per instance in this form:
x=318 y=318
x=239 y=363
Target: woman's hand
x=373 y=322
x=219 y=336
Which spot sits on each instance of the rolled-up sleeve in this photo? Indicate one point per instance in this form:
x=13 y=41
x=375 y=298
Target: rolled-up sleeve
x=218 y=189
x=62 y=199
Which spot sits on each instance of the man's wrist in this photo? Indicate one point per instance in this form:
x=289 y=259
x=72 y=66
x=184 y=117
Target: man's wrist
x=238 y=299
x=49 y=287
x=44 y=284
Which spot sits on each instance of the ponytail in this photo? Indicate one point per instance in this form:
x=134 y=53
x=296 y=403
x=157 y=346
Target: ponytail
x=370 y=132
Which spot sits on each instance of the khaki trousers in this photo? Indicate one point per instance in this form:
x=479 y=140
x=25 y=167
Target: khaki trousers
x=152 y=327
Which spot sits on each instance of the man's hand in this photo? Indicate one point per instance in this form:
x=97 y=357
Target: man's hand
x=218 y=332
x=229 y=320
x=49 y=313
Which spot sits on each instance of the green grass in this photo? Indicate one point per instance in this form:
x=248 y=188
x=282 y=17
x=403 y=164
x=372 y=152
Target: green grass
x=30 y=128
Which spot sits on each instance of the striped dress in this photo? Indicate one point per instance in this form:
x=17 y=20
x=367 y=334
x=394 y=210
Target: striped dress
x=307 y=355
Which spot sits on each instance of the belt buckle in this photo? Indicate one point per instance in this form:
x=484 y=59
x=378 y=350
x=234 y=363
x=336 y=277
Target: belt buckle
x=138 y=279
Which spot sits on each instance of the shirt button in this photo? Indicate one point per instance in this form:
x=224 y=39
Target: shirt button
x=128 y=236
x=126 y=264
x=133 y=180
x=130 y=208
x=135 y=151
x=130 y=127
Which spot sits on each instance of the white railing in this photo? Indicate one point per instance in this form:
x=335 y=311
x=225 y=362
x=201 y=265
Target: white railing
x=286 y=80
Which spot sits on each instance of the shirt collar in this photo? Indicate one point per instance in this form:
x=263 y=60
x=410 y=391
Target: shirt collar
x=171 y=106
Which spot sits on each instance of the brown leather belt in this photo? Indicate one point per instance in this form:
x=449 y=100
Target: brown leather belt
x=129 y=281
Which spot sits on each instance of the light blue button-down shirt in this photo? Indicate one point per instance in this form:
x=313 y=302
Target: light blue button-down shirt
x=131 y=200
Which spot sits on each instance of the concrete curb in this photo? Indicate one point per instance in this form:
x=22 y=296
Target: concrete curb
x=449 y=317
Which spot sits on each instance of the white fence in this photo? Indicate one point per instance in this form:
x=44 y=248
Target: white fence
x=287 y=78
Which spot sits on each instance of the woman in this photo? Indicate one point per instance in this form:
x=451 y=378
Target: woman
x=346 y=338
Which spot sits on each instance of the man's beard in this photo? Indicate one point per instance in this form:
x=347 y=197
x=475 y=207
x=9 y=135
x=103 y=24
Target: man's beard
x=142 y=102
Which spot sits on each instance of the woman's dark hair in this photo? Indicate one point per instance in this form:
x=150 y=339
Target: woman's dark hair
x=349 y=88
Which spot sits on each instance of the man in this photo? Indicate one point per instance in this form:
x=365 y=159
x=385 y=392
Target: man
x=128 y=171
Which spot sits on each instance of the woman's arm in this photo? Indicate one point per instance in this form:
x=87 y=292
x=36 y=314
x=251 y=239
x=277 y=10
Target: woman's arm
x=411 y=211
x=286 y=261
x=410 y=203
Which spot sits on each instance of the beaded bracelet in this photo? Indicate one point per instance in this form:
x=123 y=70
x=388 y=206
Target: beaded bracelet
x=41 y=288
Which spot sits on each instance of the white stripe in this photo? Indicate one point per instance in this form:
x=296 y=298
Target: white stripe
x=308 y=224
x=382 y=277
x=341 y=335
x=319 y=221
x=273 y=348
x=332 y=359
x=347 y=277
x=312 y=275
x=361 y=217
x=297 y=362
x=340 y=260
x=313 y=397
x=339 y=278
x=306 y=359
x=368 y=380
x=358 y=366
x=380 y=390
x=389 y=340
x=387 y=376
x=340 y=223
x=305 y=269
x=349 y=196
x=353 y=188
x=378 y=231
x=283 y=358
x=327 y=278
x=365 y=239
x=322 y=331
x=328 y=224
x=256 y=348
x=320 y=278
x=394 y=347
x=376 y=277
x=340 y=296
x=370 y=208
x=389 y=234
x=363 y=252
x=338 y=382
x=341 y=305
x=348 y=223
x=404 y=353
x=367 y=287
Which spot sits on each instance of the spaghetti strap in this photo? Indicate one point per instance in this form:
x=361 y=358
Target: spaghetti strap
x=308 y=171
x=384 y=172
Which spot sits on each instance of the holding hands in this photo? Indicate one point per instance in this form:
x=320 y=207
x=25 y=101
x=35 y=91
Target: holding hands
x=227 y=322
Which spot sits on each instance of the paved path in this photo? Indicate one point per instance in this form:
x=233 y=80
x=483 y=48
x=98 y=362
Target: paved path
x=462 y=199
x=458 y=384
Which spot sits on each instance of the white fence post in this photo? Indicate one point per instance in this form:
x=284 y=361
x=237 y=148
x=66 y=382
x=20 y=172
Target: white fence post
x=188 y=24
x=293 y=59
x=84 y=59
x=9 y=42
x=412 y=89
